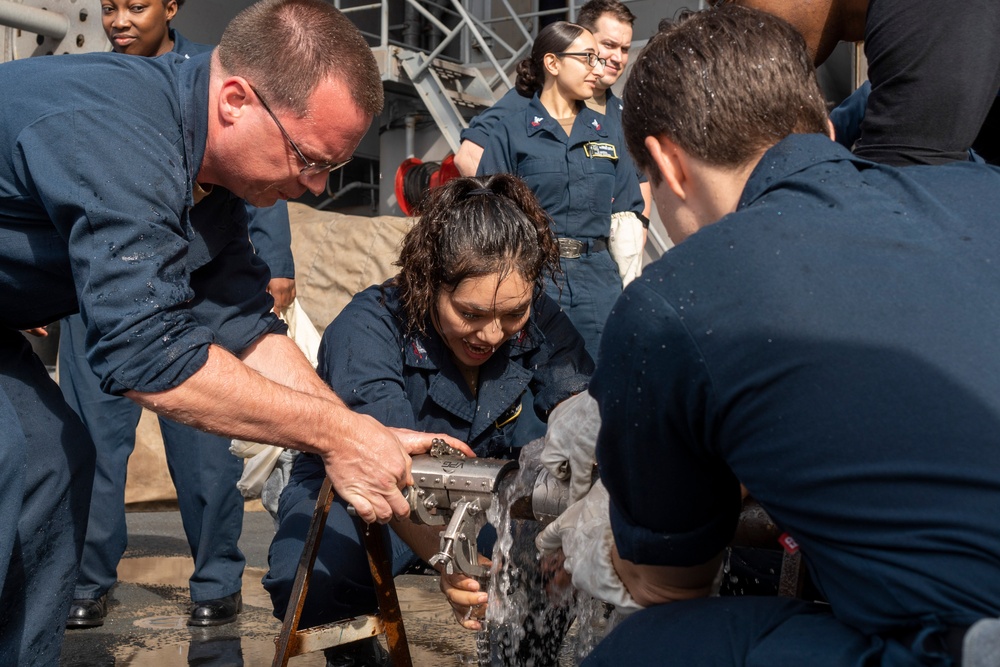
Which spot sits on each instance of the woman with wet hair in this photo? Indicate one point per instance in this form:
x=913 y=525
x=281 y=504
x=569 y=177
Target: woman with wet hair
x=463 y=341
x=577 y=167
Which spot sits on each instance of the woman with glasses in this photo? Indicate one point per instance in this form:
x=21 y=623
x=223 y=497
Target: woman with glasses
x=578 y=169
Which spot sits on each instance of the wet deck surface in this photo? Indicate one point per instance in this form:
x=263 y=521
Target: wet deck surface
x=146 y=622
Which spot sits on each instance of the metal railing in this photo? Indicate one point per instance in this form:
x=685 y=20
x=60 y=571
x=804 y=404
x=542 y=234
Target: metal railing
x=457 y=28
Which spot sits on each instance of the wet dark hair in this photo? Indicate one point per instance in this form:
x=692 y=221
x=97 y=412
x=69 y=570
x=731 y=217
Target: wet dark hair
x=285 y=48
x=591 y=11
x=553 y=38
x=724 y=84
x=472 y=227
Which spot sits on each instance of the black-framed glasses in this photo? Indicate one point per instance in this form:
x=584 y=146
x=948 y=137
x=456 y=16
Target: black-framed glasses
x=592 y=58
x=311 y=168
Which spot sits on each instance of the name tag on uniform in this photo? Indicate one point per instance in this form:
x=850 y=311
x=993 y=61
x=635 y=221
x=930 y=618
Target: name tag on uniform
x=595 y=149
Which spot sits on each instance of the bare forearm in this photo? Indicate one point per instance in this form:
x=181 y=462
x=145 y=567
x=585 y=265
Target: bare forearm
x=467 y=158
x=275 y=397
x=232 y=398
x=278 y=358
x=424 y=540
x=655 y=584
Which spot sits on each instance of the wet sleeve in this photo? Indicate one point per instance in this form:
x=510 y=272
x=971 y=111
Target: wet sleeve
x=116 y=189
x=230 y=289
x=566 y=368
x=271 y=235
x=935 y=72
x=361 y=358
x=672 y=501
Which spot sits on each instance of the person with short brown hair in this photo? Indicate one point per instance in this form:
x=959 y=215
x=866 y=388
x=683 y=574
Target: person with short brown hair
x=823 y=333
x=728 y=131
x=210 y=505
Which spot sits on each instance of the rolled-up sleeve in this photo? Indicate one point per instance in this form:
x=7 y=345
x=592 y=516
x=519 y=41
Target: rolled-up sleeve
x=496 y=157
x=116 y=188
x=673 y=501
x=481 y=127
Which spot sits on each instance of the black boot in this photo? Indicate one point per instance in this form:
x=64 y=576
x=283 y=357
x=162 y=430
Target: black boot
x=87 y=612
x=216 y=612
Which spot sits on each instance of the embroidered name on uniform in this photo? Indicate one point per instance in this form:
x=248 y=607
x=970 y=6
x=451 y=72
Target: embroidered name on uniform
x=509 y=415
x=595 y=149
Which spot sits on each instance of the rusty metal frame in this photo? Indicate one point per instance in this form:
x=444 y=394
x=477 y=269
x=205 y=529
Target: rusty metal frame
x=388 y=621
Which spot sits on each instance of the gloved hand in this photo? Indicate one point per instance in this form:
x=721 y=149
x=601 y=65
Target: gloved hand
x=583 y=532
x=625 y=243
x=570 y=441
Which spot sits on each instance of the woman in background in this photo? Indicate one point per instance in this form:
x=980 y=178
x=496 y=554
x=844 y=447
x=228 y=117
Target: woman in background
x=578 y=169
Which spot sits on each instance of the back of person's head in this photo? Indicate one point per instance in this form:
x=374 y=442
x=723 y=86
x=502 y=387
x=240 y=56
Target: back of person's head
x=725 y=84
x=473 y=227
x=591 y=11
x=554 y=38
x=285 y=48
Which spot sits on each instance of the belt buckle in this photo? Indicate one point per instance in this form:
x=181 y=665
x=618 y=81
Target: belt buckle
x=570 y=248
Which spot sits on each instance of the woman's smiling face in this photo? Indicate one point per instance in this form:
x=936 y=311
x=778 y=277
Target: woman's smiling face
x=481 y=313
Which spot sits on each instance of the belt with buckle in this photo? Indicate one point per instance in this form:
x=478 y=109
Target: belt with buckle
x=575 y=248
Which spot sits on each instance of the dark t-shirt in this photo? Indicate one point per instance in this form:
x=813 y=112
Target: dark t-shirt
x=833 y=345
x=935 y=73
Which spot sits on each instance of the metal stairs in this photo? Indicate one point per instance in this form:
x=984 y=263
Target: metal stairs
x=452 y=93
x=451 y=86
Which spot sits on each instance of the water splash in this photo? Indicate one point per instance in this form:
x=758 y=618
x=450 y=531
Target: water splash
x=527 y=621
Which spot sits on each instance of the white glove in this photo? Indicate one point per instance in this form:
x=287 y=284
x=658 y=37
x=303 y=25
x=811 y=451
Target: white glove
x=584 y=533
x=570 y=442
x=625 y=243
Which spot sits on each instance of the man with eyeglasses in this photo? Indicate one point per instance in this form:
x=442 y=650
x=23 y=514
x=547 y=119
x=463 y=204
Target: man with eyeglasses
x=98 y=184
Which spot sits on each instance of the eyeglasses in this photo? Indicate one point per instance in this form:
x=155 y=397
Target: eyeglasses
x=310 y=168
x=592 y=58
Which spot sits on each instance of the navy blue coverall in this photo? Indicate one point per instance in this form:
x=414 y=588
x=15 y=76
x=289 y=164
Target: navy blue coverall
x=202 y=469
x=411 y=381
x=99 y=219
x=833 y=346
x=579 y=180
